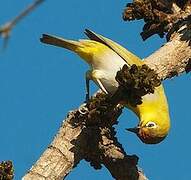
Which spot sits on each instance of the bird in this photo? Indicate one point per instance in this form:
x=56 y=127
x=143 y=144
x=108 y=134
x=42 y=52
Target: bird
x=105 y=58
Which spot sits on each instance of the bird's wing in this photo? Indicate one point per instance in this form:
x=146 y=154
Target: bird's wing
x=127 y=56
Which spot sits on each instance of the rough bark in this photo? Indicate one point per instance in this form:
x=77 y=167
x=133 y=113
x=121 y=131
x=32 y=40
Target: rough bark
x=62 y=155
x=87 y=133
x=171 y=59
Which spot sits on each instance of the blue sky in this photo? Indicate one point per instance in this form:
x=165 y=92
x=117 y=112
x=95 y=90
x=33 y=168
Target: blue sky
x=40 y=84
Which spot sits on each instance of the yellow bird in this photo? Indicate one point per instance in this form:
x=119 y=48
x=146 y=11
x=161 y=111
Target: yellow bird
x=105 y=57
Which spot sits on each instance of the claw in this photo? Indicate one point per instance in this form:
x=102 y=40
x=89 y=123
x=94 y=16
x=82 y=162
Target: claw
x=83 y=109
x=88 y=75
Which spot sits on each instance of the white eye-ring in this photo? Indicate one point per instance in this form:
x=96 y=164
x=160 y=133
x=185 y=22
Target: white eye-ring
x=151 y=124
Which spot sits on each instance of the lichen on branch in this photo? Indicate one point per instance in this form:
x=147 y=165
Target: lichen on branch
x=135 y=82
x=95 y=142
x=6 y=170
x=160 y=16
x=101 y=145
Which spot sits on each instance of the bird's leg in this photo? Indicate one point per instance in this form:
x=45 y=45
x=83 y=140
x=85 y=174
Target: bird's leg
x=96 y=76
x=88 y=75
x=101 y=86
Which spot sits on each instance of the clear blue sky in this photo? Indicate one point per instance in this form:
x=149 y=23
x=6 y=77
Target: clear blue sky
x=39 y=84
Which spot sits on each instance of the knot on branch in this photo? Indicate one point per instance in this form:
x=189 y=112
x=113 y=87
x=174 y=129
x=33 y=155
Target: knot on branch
x=135 y=82
x=160 y=16
x=6 y=170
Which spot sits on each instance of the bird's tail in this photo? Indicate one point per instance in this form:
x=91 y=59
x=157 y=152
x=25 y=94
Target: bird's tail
x=56 y=41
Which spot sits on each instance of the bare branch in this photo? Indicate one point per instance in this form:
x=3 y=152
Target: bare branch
x=171 y=59
x=62 y=155
x=6 y=29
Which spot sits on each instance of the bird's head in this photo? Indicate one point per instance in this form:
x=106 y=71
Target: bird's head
x=151 y=132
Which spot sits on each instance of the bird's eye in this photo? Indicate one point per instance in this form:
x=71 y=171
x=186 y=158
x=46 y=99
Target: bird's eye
x=150 y=124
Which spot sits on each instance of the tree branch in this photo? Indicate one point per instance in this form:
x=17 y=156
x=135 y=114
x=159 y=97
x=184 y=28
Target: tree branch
x=68 y=149
x=62 y=155
x=170 y=17
x=87 y=133
x=159 y=16
x=171 y=59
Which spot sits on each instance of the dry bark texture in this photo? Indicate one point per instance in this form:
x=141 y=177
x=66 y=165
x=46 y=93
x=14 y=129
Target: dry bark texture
x=88 y=133
x=172 y=59
x=62 y=155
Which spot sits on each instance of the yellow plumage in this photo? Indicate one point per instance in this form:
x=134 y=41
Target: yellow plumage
x=105 y=58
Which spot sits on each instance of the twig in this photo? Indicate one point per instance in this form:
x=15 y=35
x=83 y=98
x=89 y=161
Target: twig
x=6 y=29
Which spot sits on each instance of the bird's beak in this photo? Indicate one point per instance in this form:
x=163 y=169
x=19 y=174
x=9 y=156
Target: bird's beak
x=134 y=130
